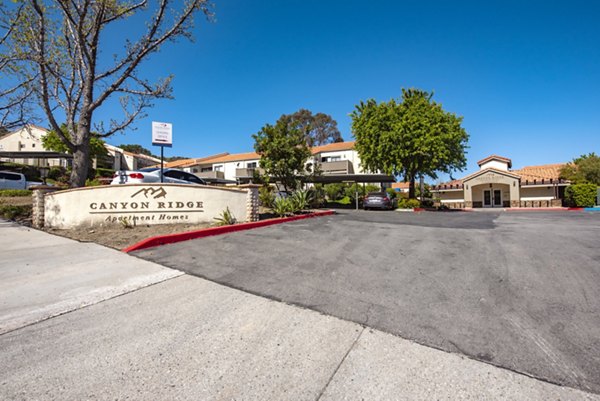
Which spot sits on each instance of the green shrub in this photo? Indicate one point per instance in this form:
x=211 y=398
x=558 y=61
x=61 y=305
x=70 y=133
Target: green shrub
x=344 y=201
x=371 y=188
x=266 y=196
x=317 y=196
x=93 y=183
x=408 y=203
x=334 y=191
x=412 y=203
x=58 y=173
x=226 y=218
x=351 y=190
x=392 y=193
x=301 y=200
x=282 y=207
x=104 y=172
x=581 y=195
x=11 y=193
x=12 y=212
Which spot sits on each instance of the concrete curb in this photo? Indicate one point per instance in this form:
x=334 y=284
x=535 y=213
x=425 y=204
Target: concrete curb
x=209 y=232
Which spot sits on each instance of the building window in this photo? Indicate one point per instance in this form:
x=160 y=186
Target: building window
x=251 y=165
x=33 y=145
x=218 y=168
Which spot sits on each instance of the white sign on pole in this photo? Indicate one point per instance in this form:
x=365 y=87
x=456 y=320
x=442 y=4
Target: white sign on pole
x=162 y=134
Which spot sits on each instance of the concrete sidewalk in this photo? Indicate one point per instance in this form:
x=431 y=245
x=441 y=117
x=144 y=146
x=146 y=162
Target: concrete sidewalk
x=43 y=275
x=190 y=339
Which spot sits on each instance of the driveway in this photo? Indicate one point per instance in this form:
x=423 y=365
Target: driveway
x=514 y=289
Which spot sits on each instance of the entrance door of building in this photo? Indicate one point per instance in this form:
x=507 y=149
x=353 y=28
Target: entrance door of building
x=492 y=198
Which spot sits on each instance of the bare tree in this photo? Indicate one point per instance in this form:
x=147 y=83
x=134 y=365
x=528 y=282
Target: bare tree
x=55 y=47
x=15 y=94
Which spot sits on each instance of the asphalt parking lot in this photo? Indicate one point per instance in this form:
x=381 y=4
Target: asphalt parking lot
x=515 y=289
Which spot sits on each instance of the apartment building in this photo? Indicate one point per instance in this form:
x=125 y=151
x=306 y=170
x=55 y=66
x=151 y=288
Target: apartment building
x=24 y=146
x=337 y=162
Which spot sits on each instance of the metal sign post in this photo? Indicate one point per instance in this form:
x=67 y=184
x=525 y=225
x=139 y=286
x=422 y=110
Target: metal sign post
x=162 y=157
x=162 y=135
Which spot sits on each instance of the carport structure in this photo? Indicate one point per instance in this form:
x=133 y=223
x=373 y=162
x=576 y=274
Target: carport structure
x=352 y=179
x=35 y=155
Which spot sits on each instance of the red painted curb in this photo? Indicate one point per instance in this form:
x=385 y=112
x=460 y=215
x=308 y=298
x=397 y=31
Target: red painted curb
x=541 y=209
x=209 y=232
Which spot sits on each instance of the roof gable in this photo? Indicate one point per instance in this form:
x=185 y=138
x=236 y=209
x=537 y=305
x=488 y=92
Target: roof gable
x=479 y=173
x=496 y=158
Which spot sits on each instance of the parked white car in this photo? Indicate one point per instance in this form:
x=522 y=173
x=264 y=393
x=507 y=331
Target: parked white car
x=152 y=174
x=12 y=180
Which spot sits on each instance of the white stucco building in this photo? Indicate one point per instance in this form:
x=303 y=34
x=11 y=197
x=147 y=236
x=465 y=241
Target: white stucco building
x=28 y=141
x=334 y=160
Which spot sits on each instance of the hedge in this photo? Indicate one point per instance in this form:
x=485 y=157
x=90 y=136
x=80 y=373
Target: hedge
x=13 y=212
x=581 y=195
x=11 y=193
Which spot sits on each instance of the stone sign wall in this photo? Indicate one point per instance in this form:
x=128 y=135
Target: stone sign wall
x=147 y=204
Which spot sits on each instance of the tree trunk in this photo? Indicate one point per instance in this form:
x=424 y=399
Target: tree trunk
x=81 y=164
x=411 y=188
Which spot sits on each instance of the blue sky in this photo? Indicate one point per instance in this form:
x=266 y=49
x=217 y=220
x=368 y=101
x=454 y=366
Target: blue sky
x=525 y=75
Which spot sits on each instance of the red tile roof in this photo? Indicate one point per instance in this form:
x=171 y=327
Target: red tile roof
x=192 y=162
x=529 y=173
x=400 y=185
x=544 y=172
x=333 y=147
x=234 y=157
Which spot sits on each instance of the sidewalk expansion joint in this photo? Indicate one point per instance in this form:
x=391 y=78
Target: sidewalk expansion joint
x=75 y=309
x=337 y=368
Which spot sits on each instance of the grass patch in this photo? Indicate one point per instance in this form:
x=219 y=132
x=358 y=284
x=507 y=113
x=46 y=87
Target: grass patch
x=11 y=193
x=344 y=201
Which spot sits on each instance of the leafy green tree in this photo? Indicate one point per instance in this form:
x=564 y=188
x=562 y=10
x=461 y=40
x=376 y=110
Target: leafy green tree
x=51 y=141
x=51 y=51
x=137 y=149
x=584 y=169
x=283 y=153
x=318 y=129
x=410 y=137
